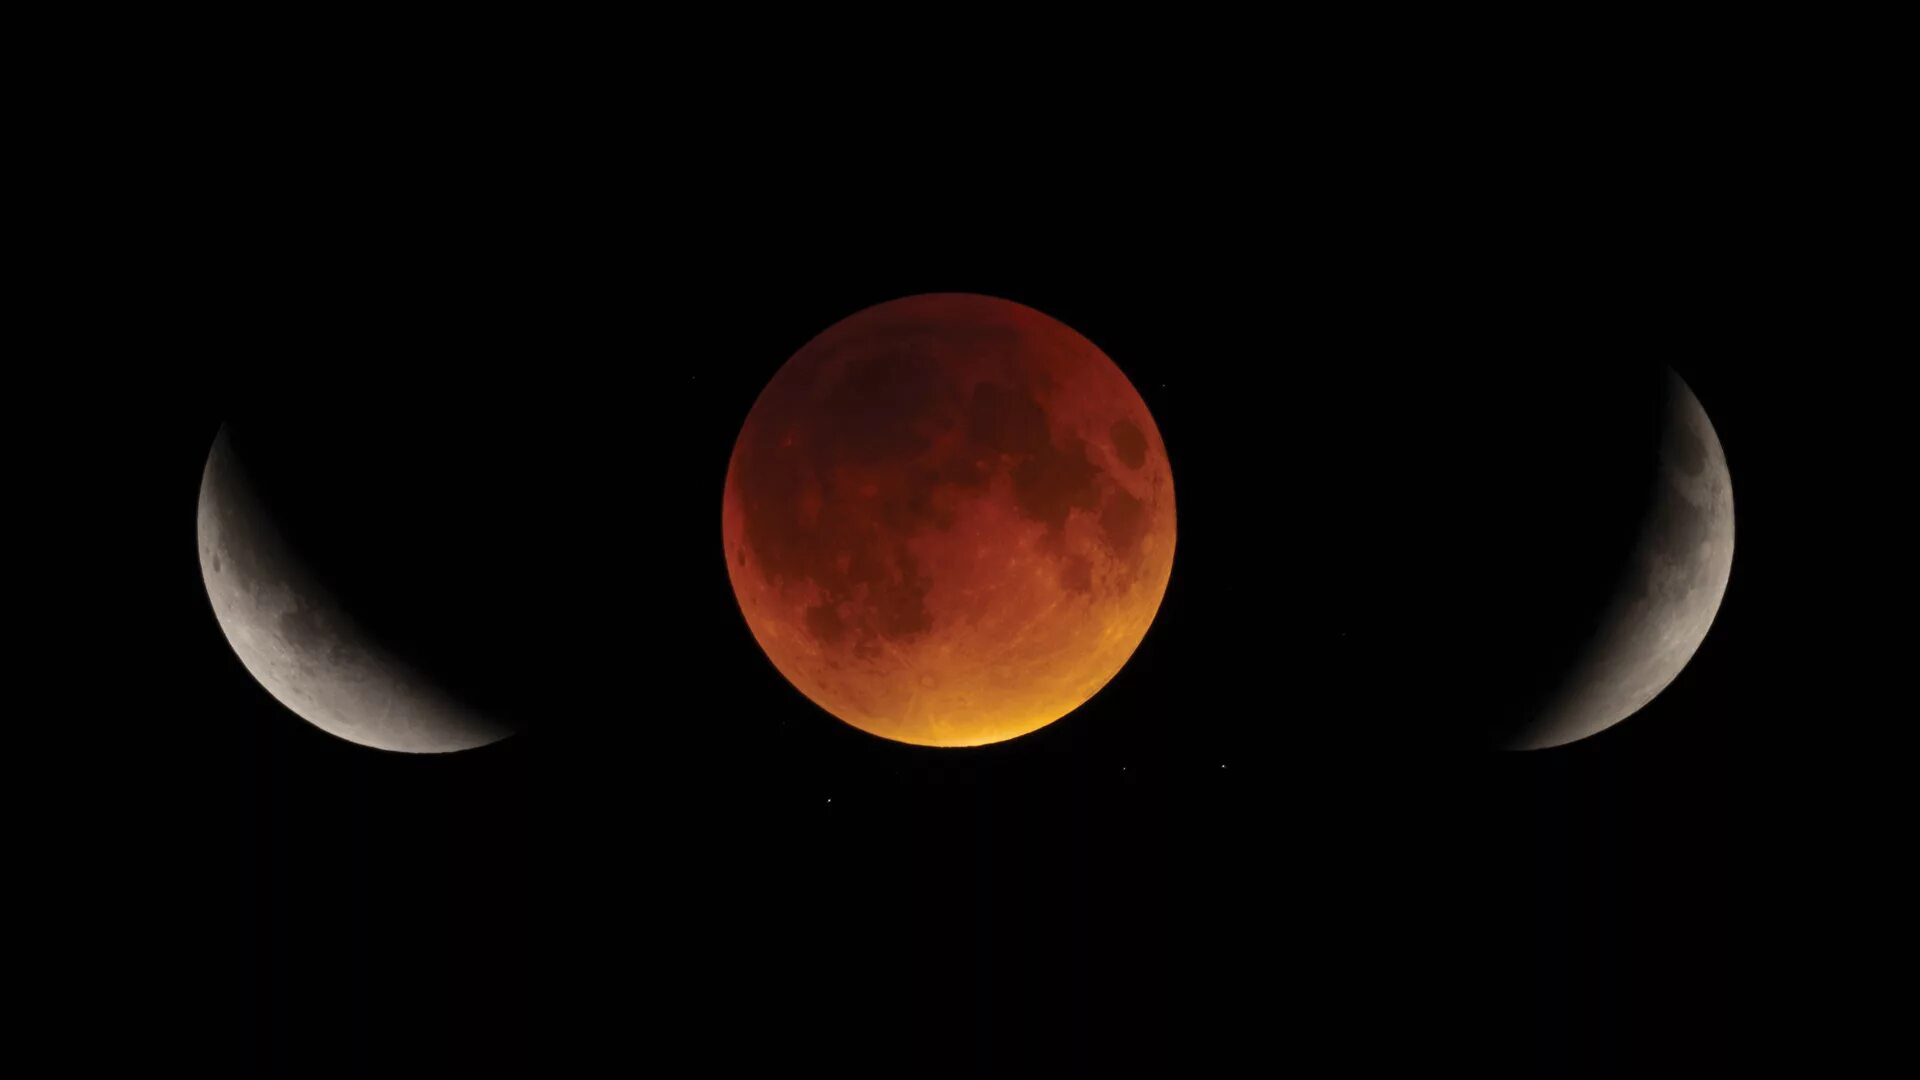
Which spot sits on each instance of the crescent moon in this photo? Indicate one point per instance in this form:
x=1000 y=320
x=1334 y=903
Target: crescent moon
x=1670 y=590
x=294 y=637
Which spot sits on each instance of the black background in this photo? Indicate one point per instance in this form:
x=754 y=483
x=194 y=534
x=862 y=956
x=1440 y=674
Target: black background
x=1249 y=851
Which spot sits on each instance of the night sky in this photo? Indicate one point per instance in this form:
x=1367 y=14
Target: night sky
x=1265 y=846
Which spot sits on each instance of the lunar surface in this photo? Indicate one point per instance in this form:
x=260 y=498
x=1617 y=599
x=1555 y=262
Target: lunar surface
x=298 y=642
x=1670 y=592
x=949 y=520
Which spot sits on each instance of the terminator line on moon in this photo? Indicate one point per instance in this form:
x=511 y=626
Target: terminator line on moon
x=294 y=637
x=949 y=520
x=1671 y=590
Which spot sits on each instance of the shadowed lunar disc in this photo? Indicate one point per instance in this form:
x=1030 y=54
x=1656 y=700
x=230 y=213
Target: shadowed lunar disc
x=294 y=637
x=1670 y=590
x=949 y=520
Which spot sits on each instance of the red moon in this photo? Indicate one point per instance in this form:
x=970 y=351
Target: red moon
x=949 y=520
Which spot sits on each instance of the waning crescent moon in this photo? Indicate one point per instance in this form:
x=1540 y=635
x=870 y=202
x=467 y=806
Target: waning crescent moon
x=1670 y=592
x=294 y=637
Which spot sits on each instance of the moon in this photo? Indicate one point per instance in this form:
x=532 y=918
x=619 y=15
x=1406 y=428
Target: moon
x=295 y=638
x=949 y=520
x=1670 y=590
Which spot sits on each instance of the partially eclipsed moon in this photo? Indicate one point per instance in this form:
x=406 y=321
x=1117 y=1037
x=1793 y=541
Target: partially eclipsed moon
x=297 y=641
x=949 y=520
x=1670 y=591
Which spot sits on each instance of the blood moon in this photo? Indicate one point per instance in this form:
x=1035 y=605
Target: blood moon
x=949 y=520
